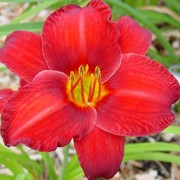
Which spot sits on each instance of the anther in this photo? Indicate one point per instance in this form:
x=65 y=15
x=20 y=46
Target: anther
x=81 y=70
x=97 y=72
x=72 y=76
x=86 y=69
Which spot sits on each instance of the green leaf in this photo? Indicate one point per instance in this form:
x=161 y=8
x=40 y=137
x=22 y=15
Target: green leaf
x=173 y=4
x=152 y=2
x=3 y=68
x=83 y=3
x=155 y=156
x=33 y=11
x=49 y=164
x=6 y=177
x=24 y=176
x=65 y=2
x=138 y=3
x=20 y=160
x=31 y=165
x=23 y=1
x=149 y=147
x=172 y=130
x=160 y=17
x=73 y=170
x=11 y=164
x=34 y=27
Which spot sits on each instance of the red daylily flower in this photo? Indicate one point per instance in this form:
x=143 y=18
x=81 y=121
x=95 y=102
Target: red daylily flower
x=4 y=96
x=86 y=78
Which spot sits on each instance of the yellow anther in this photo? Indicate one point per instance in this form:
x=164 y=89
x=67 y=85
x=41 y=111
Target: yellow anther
x=81 y=70
x=86 y=69
x=72 y=76
x=97 y=71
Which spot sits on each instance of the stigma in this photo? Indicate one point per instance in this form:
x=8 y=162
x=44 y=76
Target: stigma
x=84 y=88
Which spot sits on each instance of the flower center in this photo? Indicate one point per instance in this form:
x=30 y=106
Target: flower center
x=85 y=88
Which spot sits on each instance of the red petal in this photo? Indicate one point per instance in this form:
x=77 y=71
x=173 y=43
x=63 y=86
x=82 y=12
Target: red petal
x=102 y=8
x=144 y=91
x=73 y=36
x=22 y=82
x=39 y=116
x=4 y=96
x=134 y=38
x=22 y=54
x=100 y=153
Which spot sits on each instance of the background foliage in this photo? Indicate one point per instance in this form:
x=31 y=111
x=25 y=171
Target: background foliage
x=162 y=17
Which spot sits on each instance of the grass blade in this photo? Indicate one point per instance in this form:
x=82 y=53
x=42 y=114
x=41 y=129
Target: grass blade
x=152 y=156
x=160 y=17
x=34 y=27
x=24 y=176
x=6 y=177
x=22 y=160
x=149 y=147
x=49 y=163
x=12 y=165
x=172 y=130
x=174 y=4
x=33 y=11
x=73 y=170
x=23 y=1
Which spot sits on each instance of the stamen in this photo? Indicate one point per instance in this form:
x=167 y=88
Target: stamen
x=82 y=91
x=72 y=77
x=97 y=71
x=76 y=83
x=85 y=86
x=98 y=74
x=81 y=70
x=93 y=90
x=90 y=87
x=81 y=73
x=99 y=90
x=86 y=69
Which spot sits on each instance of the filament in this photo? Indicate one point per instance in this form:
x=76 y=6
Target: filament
x=85 y=85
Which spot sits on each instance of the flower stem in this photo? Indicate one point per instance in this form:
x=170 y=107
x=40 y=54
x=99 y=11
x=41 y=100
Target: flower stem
x=65 y=161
